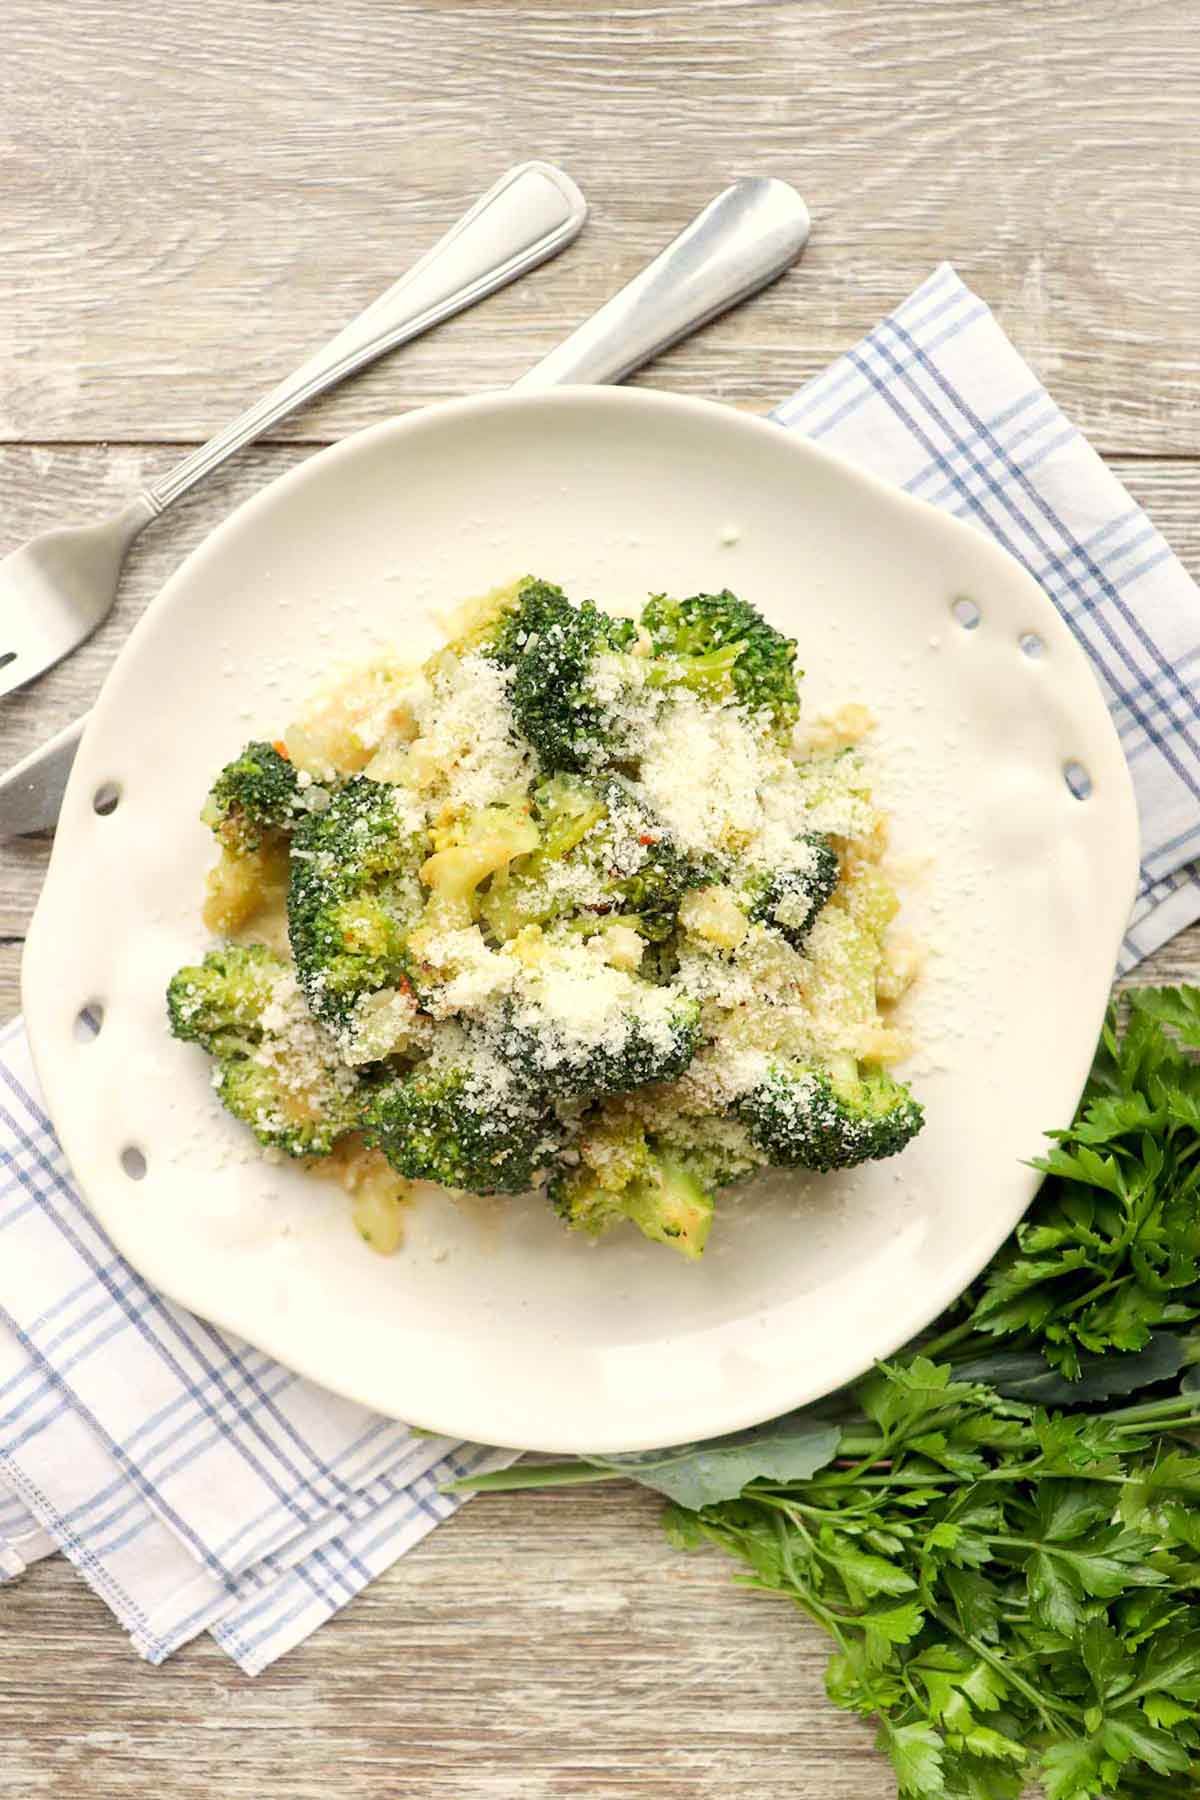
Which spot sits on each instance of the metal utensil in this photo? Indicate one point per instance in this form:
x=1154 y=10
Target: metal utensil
x=741 y=241
x=58 y=587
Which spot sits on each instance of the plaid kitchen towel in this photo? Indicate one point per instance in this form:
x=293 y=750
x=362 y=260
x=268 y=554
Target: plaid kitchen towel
x=937 y=400
x=197 y=1484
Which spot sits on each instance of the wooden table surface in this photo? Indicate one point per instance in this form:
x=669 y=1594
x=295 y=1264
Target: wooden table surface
x=194 y=195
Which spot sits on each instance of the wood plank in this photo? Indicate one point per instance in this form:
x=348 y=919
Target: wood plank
x=540 y=1645
x=194 y=201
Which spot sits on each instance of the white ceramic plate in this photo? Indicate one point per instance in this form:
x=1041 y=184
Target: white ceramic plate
x=493 y=1323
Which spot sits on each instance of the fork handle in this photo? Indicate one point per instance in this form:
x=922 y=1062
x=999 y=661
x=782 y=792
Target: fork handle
x=531 y=213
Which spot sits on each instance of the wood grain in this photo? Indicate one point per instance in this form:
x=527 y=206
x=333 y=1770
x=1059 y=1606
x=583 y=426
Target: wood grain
x=195 y=196
x=543 y=1646
x=191 y=198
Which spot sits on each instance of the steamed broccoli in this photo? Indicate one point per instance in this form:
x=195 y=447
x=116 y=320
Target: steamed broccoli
x=463 y=1124
x=353 y=898
x=649 y=1042
x=650 y=897
x=255 y=798
x=624 y=1174
x=564 y=810
x=223 y=998
x=722 y=646
x=550 y=643
x=274 y=1067
x=601 y=859
x=791 y=899
x=803 y=1115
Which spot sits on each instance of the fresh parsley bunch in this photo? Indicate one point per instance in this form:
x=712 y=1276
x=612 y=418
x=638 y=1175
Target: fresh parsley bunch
x=998 y=1529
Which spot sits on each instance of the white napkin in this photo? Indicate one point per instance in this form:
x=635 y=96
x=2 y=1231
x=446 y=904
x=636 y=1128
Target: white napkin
x=197 y=1484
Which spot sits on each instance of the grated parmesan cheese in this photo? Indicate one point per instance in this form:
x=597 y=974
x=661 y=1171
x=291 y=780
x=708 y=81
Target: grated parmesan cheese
x=467 y=753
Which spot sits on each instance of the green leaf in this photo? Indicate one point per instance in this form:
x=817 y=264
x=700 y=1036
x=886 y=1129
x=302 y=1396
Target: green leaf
x=976 y=1602
x=1085 y=1165
x=905 y=1394
x=981 y=1740
x=1069 y=1509
x=916 y=1752
x=684 y=1530
x=695 y=1475
x=1178 y=1006
x=894 y=1624
x=1115 y=1117
x=1104 y=1576
x=1171 y=1665
x=1105 y=1658
x=1053 y=1592
x=1161 y=1710
x=1071 y=1770
x=871 y=1575
x=985 y=1688
x=1025 y=1374
x=1127 y=1737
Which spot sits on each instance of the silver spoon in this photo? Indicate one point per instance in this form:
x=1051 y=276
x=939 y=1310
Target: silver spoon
x=58 y=587
x=741 y=241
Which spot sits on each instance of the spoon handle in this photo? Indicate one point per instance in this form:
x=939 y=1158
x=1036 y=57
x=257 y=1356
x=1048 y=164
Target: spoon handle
x=532 y=212
x=741 y=241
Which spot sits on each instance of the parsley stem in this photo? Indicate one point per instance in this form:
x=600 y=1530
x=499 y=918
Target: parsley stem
x=948 y=1339
x=1158 y=1411
x=1047 y=1710
x=1092 y=1295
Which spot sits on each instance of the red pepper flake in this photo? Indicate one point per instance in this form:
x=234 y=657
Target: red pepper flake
x=647 y=837
x=281 y=748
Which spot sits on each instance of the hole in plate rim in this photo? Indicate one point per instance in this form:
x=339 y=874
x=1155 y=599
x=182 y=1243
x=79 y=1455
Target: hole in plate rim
x=133 y=1161
x=88 y=1022
x=1033 y=645
x=966 y=612
x=106 y=798
x=1078 y=778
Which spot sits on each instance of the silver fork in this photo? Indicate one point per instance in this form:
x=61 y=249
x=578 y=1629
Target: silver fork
x=58 y=587
x=738 y=244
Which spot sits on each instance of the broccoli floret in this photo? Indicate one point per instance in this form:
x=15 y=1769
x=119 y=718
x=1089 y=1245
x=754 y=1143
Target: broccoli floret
x=275 y=1068
x=791 y=899
x=591 y=830
x=716 y=1147
x=643 y=874
x=223 y=997
x=463 y=1125
x=479 y=846
x=254 y=799
x=803 y=1115
x=550 y=643
x=564 y=810
x=301 y=1125
x=723 y=646
x=622 y=1174
x=353 y=898
x=637 y=1050
x=649 y=899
